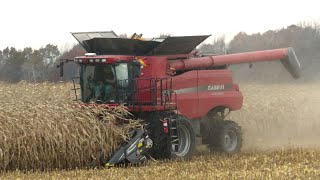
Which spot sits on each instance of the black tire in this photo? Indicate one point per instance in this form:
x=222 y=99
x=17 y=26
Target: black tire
x=162 y=146
x=226 y=138
x=186 y=138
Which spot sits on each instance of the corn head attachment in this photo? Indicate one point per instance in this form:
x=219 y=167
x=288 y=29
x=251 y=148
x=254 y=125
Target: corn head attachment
x=134 y=151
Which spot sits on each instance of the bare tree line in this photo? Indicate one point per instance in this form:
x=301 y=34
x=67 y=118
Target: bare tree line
x=38 y=65
x=33 y=65
x=304 y=38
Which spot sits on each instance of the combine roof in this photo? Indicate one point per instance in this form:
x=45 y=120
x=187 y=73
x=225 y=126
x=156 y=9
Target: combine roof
x=108 y=43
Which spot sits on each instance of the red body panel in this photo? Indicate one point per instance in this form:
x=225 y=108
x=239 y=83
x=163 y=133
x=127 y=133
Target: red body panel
x=197 y=95
x=229 y=96
x=187 y=99
x=196 y=92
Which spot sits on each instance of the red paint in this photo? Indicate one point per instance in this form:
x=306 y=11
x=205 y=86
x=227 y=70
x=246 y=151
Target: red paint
x=194 y=102
x=268 y=55
x=165 y=126
x=197 y=104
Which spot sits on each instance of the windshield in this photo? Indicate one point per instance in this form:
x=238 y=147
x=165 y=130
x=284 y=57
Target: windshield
x=102 y=83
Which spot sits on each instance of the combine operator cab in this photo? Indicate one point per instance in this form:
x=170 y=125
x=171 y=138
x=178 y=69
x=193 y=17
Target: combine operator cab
x=108 y=83
x=130 y=71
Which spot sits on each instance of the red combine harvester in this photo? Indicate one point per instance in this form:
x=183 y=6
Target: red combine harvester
x=184 y=97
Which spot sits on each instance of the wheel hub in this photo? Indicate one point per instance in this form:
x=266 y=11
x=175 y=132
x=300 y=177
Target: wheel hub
x=182 y=146
x=230 y=140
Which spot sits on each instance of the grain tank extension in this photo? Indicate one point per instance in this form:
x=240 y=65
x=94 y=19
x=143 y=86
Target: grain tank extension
x=183 y=96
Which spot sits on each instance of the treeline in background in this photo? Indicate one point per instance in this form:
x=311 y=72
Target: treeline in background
x=304 y=38
x=39 y=65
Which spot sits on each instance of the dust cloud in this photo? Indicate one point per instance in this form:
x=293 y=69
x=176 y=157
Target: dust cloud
x=279 y=116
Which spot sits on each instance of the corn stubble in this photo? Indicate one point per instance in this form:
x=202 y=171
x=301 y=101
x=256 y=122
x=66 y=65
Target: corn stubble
x=280 y=164
x=42 y=128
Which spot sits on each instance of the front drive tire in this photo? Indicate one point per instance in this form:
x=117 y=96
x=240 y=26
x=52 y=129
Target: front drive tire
x=186 y=146
x=163 y=144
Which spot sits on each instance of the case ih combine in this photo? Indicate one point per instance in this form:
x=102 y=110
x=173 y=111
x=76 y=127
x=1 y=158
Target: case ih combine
x=182 y=96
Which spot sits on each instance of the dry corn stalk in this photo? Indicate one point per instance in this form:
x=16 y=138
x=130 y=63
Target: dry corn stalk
x=41 y=128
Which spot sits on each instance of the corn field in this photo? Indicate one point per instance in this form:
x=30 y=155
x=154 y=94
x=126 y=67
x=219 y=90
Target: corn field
x=43 y=129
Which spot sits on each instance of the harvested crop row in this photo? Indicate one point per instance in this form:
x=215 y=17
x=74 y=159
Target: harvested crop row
x=42 y=129
x=281 y=164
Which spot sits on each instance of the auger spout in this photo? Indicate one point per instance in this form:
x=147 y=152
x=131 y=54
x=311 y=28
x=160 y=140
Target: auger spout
x=285 y=55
